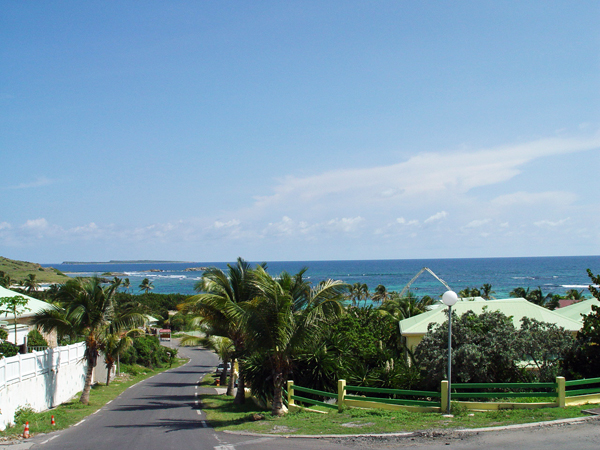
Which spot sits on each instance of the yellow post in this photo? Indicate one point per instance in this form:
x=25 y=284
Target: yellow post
x=561 y=391
x=290 y=390
x=341 y=393
x=444 y=392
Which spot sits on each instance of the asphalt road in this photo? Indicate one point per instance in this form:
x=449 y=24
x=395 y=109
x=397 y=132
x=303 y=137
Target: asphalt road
x=163 y=413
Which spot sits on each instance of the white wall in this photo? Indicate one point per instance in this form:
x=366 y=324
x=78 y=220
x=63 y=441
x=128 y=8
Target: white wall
x=41 y=380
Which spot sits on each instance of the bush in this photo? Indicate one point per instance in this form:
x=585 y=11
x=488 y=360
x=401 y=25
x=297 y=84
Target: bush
x=8 y=349
x=35 y=339
x=147 y=351
x=3 y=334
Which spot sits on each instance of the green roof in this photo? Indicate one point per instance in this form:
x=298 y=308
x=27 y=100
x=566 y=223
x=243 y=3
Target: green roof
x=575 y=310
x=35 y=306
x=516 y=308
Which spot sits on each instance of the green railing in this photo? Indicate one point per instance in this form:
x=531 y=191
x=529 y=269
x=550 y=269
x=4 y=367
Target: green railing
x=312 y=401
x=507 y=390
x=586 y=382
x=395 y=401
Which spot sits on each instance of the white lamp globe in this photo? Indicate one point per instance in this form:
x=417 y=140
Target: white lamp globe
x=449 y=298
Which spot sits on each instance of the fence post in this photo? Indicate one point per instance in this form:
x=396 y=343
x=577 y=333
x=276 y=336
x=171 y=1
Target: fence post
x=444 y=392
x=341 y=394
x=290 y=391
x=561 y=391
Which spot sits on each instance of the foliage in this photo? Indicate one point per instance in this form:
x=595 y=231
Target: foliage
x=484 y=349
x=543 y=345
x=87 y=309
x=3 y=334
x=35 y=339
x=13 y=305
x=147 y=351
x=18 y=271
x=536 y=296
x=8 y=349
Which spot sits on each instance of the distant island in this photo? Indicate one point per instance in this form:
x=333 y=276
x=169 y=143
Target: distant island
x=133 y=261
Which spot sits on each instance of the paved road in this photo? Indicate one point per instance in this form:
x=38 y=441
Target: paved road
x=162 y=413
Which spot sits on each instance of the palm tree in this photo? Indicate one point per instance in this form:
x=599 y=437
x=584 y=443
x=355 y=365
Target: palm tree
x=359 y=292
x=283 y=318
x=574 y=294
x=398 y=308
x=220 y=292
x=146 y=285
x=126 y=284
x=5 y=279
x=87 y=310
x=519 y=292
x=486 y=291
x=224 y=349
x=113 y=344
x=381 y=294
x=30 y=284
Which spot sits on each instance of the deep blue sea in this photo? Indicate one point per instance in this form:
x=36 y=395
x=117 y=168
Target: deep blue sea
x=553 y=274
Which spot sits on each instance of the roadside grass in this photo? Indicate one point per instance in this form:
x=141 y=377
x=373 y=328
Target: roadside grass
x=222 y=415
x=72 y=412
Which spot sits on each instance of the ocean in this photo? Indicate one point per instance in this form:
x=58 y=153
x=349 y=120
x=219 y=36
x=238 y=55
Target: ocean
x=554 y=275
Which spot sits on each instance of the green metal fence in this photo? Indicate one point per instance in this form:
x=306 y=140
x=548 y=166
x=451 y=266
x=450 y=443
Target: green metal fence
x=503 y=390
x=588 y=390
x=423 y=397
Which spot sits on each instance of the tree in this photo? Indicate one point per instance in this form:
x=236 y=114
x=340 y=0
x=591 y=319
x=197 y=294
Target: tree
x=224 y=349
x=399 y=308
x=519 y=292
x=113 y=345
x=126 y=284
x=486 y=291
x=574 y=294
x=583 y=361
x=283 y=318
x=87 y=310
x=5 y=279
x=483 y=349
x=220 y=294
x=146 y=285
x=469 y=293
x=14 y=305
x=358 y=292
x=381 y=294
x=30 y=283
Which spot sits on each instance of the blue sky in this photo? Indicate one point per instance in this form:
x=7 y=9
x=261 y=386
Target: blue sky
x=300 y=130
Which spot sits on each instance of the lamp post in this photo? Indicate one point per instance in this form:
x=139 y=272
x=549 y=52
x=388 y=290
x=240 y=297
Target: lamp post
x=449 y=298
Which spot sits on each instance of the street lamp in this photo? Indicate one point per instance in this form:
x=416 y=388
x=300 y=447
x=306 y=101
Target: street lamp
x=449 y=298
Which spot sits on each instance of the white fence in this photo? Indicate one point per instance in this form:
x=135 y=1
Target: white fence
x=40 y=380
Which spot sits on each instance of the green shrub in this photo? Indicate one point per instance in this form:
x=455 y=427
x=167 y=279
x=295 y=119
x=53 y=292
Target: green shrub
x=3 y=334
x=147 y=351
x=7 y=349
x=35 y=339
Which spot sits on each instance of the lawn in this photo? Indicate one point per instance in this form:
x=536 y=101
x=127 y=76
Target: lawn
x=223 y=415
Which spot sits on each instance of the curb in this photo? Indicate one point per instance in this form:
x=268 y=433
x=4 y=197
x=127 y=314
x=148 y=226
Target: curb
x=441 y=432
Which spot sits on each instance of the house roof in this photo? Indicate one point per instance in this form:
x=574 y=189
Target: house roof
x=516 y=308
x=575 y=310
x=35 y=306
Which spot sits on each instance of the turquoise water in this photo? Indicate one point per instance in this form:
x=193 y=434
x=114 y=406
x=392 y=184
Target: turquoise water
x=552 y=274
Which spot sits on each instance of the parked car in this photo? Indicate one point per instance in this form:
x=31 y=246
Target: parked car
x=221 y=367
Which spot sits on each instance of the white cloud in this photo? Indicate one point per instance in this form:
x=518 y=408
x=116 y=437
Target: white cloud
x=436 y=217
x=425 y=174
x=477 y=223
x=38 y=182
x=535 y=198
x=549 y=223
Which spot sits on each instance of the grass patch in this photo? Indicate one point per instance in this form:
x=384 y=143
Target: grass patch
x=224 y=415
x=71 y=412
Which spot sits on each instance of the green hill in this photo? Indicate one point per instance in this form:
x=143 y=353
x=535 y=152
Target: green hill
x=18 y=271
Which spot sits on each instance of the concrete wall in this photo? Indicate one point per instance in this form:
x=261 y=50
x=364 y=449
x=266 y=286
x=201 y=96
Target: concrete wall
x=40 y=380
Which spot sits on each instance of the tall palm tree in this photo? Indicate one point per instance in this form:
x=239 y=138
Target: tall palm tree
x=30 y=283
x=359 y=292
x=486 y=291
x=86 y=310
x=283 y=318
x=146 y=285
x=126 y=284
x=114 y=344
x=381 y=294
x=220 y=292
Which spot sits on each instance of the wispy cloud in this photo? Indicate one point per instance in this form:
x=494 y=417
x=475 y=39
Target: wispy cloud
x=549 y=223
x=38 y=182
x=423 y=175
